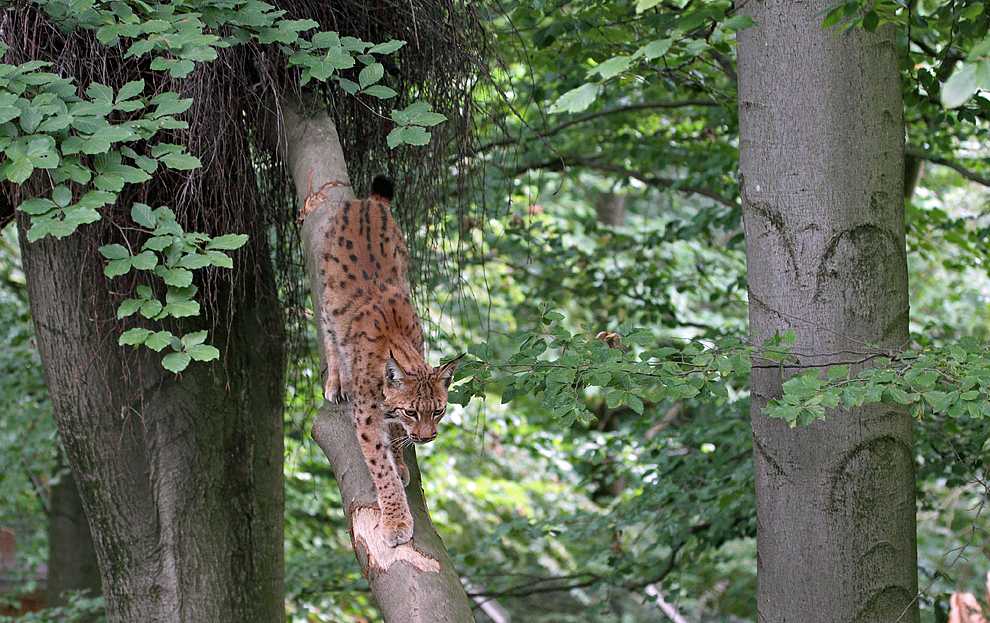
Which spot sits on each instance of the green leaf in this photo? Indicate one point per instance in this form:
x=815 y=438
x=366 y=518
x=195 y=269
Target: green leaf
x=194 y=261
x=158 y=341
x=141 y=214
x=30 y=118
x=972 y=11
x=191 y=339
x=576 y=100
x=900 y=396
x=983 y=74
x=411 y=135
x=178 y=277
x=203 y=352
x=145 y=260
x=115 y=268
x=182 y=308
x=227 y=242
x=636 y=403
x=959 y=87
x=379 y=91
x=387 y=48
x=128 y=308
x=371 y=74
x=38 y=206
x=130 y=90
x=220 y=259
x=176 y=362
x=150 y=308
x=114 y=251
x=9 y=113
x=62 y=196
x=738 y=22
x=483 y=352
x=612 y=67
x=655 y=49
x=100 y=93
x=870 y=21
x=180 y=162
x=418 y=114
x=17 y=171
x=133 y=336
x=838 y=372
x=169 y=104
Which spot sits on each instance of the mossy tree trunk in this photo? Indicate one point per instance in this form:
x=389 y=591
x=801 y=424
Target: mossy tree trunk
x=821 y=174
x=415 y=582
x=180 y=476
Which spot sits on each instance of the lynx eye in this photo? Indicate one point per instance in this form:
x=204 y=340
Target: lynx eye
x=439 y=412
x=409 y=413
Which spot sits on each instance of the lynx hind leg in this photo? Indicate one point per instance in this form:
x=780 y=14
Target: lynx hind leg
x=333 y=390
x=396 y=521
x=396 y=438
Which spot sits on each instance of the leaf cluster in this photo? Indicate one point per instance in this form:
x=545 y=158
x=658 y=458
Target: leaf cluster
x=48 y=125
x=952 y=380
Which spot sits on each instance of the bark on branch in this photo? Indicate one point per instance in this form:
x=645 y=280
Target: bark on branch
x=416 y=581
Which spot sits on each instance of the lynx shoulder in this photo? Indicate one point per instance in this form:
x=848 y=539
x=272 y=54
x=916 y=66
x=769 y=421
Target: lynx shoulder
x=373 y=342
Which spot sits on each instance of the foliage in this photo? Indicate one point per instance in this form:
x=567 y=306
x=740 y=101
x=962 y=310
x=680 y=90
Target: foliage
x=79 y=610
x=27 y=427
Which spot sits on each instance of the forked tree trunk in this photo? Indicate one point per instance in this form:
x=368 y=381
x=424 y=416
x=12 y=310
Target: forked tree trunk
x=181 y=478
x=415 y=582
x=821 y=174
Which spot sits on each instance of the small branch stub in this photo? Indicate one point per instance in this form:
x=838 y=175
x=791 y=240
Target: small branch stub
x=366 y=529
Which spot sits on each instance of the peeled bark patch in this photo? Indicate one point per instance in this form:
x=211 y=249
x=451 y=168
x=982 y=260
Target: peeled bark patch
x=366 y=530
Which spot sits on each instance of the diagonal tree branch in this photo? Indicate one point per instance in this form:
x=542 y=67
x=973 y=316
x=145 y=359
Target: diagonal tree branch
x=559 y=164
x=415 y=582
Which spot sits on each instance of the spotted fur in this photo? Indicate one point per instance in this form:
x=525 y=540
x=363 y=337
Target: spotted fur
x=374 y=348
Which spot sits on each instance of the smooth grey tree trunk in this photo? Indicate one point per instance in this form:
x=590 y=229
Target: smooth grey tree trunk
x=181 y=477
x=415 y=582
x=821 y=176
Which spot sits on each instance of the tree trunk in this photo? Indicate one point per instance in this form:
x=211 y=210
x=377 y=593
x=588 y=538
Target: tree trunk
x=415 y=582
x=611 y=208
x=181 y=477
x=821 y=177
x=72 y=562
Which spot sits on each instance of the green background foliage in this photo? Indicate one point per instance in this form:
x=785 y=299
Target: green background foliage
x=575 y=479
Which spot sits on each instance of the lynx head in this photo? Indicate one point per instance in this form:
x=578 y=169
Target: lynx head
x=417 y=399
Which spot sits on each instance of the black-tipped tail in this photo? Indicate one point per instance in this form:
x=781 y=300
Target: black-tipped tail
x=382 y=187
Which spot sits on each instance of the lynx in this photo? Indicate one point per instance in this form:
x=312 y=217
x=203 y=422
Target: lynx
x=374 y=348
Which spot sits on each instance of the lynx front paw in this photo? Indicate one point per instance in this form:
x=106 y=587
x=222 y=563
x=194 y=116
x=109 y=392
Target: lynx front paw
x=333 y=392
x=397 y=533
x=403 y=472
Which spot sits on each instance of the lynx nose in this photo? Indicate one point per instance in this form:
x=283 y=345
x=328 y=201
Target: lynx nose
x=421 y=440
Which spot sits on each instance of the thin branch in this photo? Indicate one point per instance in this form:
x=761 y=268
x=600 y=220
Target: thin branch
x=600 y=113
x=543 y=585
x=955 y=166
x=663 y=182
